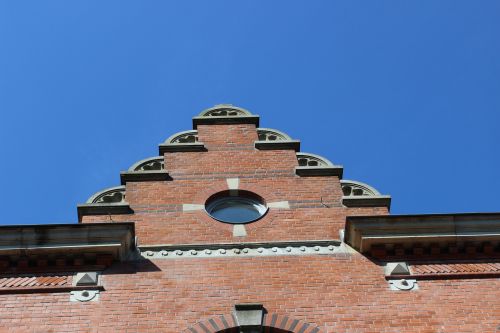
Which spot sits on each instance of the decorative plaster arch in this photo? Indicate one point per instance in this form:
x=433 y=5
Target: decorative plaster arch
x=271 y=134
x=271 y=323
x=147 y=164
x=110 y=195
x=190 y=136
x=353 y=188
x=224 y=110
x=313 y=160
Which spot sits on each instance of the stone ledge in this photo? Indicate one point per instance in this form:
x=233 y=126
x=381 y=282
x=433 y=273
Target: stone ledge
x=367 y=201
x=103 y=209
x=278 y=145
x=305 y=171
x=430 y=235
x=144 y=176
x=444 y=276
x=109 y=241
x=50 y=289
x=226 y=120
x=181 y=147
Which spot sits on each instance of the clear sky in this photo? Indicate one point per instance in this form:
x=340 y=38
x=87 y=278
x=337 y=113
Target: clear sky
x=404 y=94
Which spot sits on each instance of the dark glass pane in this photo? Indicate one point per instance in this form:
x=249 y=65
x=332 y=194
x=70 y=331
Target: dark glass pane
x=236 y=210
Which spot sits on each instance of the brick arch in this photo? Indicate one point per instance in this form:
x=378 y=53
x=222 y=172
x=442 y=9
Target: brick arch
x=271 y=323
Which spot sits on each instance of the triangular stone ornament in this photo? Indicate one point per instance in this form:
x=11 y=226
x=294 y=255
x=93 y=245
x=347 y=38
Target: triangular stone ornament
x=86 y=279
x=396 y=268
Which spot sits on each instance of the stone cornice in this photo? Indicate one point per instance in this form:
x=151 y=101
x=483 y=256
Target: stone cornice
x=61 y=240
x=103 y=209
x=143 y=176
x=278 y=145
x=181 y=147
x=429 y=236
x=367 y=201
x=307 y=171
x=226 y=120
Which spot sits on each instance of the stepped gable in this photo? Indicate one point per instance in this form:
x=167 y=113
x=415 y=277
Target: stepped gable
x=232 y=228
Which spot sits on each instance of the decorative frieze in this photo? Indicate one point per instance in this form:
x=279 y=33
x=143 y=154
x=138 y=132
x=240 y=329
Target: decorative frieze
x=224 y=110
x=241 y=250
x=186 y=141
x=108 y=201
x=149 y=169
x=183 y=137
x=150 y=164
x=352 y=188
x=225 y=114
x=268 y=134
x=311 y=160
x=270 y=139
x=315 y=165
x=112 y=195
x=358 y=194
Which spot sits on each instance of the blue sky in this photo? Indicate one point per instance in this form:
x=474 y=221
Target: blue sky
x=404 y=94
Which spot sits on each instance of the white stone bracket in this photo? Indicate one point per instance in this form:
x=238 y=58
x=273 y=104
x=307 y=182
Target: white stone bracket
x=403 y=284
x=84 y=296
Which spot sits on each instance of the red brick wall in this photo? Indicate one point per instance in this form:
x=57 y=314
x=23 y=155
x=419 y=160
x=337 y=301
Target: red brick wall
x=231 y=154
x=338 y=293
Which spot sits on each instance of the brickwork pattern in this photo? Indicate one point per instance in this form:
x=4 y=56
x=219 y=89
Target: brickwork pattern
x=316 y=210
x=272 y=323
x=337 y=293
x=307 y=294
x=10 y=282
x=455 y=268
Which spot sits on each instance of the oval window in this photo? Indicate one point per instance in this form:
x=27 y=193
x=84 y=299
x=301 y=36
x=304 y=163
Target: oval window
x=237 y=207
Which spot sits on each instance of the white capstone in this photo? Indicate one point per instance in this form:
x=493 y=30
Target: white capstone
x=279 y=205
x=192 y=207
x=239 y=230
x=233 y=183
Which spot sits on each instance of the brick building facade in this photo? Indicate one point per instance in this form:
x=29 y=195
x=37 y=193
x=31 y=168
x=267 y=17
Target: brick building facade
x=324 y=254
